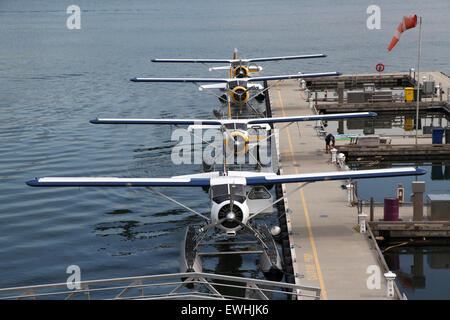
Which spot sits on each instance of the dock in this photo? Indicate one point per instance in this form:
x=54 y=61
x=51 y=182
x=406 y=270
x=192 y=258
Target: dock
x=326 y=249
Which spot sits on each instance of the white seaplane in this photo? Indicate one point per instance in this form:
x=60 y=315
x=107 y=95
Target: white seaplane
x=230 y=194
x=238 y=67
x=237 y=133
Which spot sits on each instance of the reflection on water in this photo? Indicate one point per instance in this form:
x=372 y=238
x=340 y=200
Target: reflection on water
x=436 y=181
x=386 y=123
x=422 y=272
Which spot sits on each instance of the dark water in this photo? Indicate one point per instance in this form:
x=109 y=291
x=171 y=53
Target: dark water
x=422 y=272
x=53 y=80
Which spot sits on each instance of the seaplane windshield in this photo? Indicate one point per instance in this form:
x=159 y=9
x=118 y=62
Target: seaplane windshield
x=222 y=192
x=234 y=125
x=237 y=83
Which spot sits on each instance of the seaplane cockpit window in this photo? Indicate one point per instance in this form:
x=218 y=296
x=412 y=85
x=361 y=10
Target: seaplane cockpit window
x=222 y=192
x=259 y=193
x=233 y=126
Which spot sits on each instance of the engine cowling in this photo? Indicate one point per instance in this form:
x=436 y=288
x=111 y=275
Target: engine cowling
x=223 y=211
x=237 y=141
x=239 y=94
x=240 y=72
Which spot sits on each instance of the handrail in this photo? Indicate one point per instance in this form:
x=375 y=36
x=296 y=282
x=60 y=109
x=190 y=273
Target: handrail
x=177 y=285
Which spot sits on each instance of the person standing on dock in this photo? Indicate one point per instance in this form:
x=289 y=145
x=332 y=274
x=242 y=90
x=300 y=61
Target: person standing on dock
x=329 y=139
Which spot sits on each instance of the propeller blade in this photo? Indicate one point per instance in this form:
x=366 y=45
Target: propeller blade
x=212 y=225
x=232 y=194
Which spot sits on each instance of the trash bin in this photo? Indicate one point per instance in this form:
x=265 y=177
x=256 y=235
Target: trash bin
x=436 y=135
x=409 y=94
x=390 y=209
x=447 y=135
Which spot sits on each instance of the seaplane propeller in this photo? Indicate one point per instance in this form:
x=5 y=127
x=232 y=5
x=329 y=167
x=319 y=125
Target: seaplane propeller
x=240 y=71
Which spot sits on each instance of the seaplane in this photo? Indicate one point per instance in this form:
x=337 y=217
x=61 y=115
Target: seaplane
x=238 y=89
x=240 y=136
x=238 y=67
x=231 y=194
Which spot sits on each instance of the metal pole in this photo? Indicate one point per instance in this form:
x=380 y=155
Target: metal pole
x=371 y=208
x=418 y=76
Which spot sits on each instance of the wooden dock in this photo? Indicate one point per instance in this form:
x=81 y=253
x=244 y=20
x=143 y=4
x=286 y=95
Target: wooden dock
x=395 y=152
x=389 y=107
x=389 y=80
x=326 y=249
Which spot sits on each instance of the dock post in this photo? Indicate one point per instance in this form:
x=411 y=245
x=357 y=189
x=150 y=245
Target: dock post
x=362 y=222
x=418 y=188
x=333 y=155
x=371 y=208
x=390 y=277
x=350 y=193
x=340 y=89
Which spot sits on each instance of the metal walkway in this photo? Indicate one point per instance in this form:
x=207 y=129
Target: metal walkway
x=178 y=286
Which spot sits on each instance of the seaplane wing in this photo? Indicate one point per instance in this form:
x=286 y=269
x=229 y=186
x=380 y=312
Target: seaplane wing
x=204 y=180
x=156 y=121
x=214 y=80
x=218 y=122
x=186 y=181
x=305 y=56
x=193 y=60
x=295 y=76
x=335 y=175
x=218 y=80
x=312 y=117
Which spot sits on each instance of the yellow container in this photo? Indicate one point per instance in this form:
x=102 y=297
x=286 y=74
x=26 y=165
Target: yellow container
x=409 y=94
x=409 y=124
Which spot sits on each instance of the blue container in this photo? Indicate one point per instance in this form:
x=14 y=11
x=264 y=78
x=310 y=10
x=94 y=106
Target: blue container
x=447 y=135
x=437 y=134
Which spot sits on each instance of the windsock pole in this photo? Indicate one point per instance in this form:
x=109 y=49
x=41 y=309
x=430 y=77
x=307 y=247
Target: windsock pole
x=418 y=76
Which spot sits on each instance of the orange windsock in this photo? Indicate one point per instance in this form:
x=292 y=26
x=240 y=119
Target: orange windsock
x=408 y=22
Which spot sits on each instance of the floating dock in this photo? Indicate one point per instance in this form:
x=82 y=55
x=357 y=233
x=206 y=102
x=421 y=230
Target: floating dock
x=326 y=250
x=326 y=247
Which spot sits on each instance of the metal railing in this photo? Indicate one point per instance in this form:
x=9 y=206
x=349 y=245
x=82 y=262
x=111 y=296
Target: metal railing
x=180 y=286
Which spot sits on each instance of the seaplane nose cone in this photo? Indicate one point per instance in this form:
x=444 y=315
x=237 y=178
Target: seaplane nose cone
x=231 y=216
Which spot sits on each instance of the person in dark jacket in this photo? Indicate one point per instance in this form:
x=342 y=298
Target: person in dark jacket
x=329 y=139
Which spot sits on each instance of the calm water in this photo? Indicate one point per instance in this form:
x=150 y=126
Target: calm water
x=53 y=80
x=422 y=272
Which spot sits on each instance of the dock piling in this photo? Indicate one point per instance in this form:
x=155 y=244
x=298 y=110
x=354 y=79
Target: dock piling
x=418 y=188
